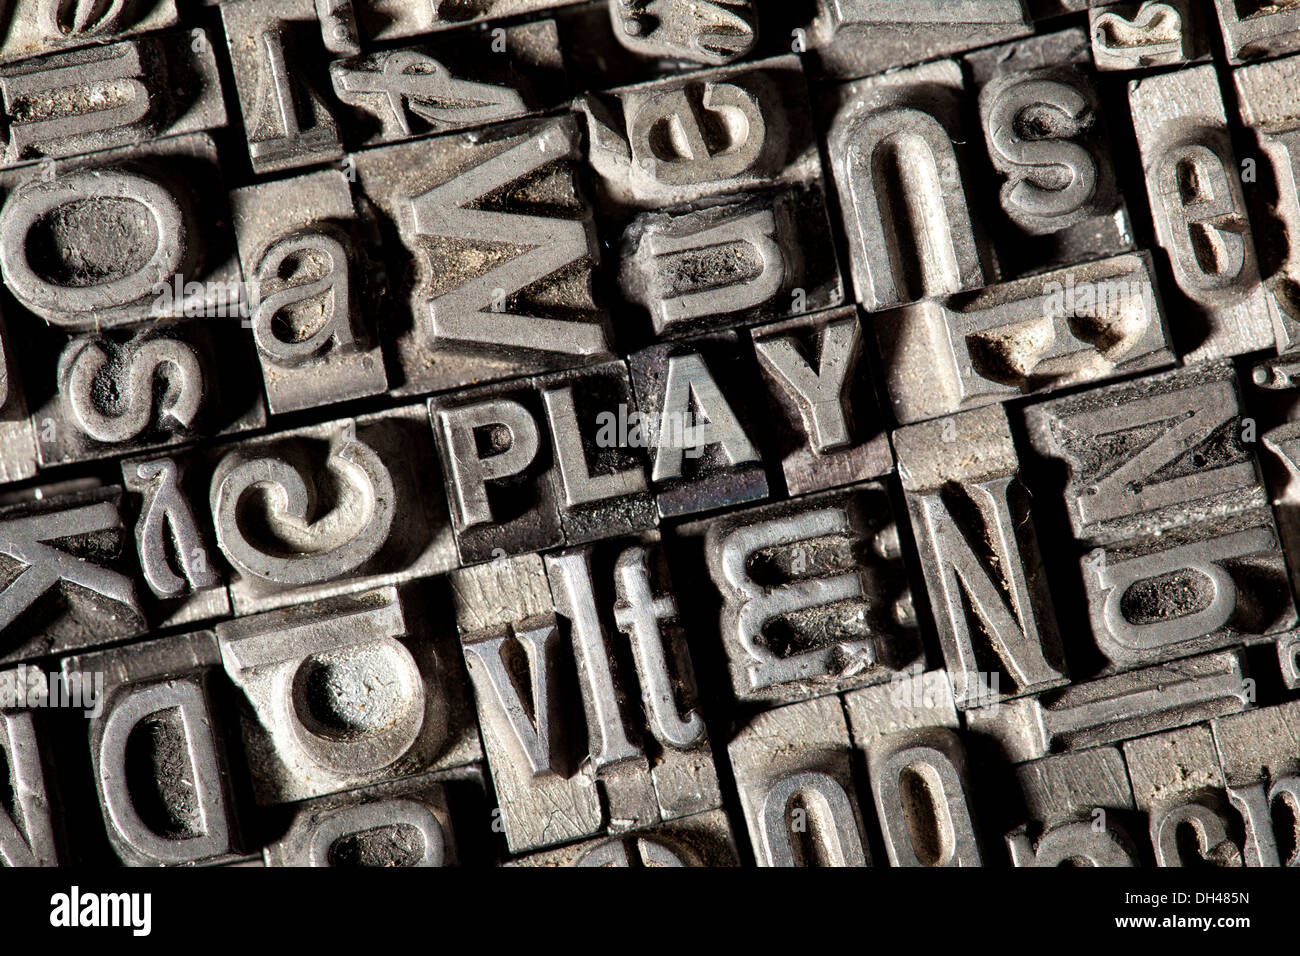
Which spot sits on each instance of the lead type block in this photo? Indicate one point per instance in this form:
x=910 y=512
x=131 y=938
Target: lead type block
x=344 y=693
x=1075 y=325
x=979 y=551
x=1139 y=36
x=704 y=839
x=829 y=428
x=815 y=597
x=918 y=770
x=793 y=768
x=1178 y=783
x=159 y=694
x=895 y=159
x=308 y=277
x=1261 y=764
x=1076 y=804
x=1044 y=130
x=494 y=292
x=330 y=509
x=1194 y=186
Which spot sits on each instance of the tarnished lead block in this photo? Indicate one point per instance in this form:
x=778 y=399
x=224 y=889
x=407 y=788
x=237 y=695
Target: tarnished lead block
x=696 y=415
x=1075 y=325
x=829 y=428
x=1258 y=28
x=494 y=292
x=1044 y=130
x=400 y=824
x=736 y=128
x=815 y=597
x=918 y=770
x=100 y=97
x=274 y=50
x=67 y=583
x=308 y=278
x=1177 y=781
x=979 y=551
x=1138 y=36
x=27 y=834
x=732 y=261
x=108 y=400
x=149 y=243
x=160 y=694
x=17 y=437
x=476 y=78
x=1266 y=97
x=894 y=155
x=1151 y=455
x=1194 y=186
x=1117 y=707
x=498 y=472
x=1076 y=804
x=343 y=693
x=183 y=577
x=34 y=27
x=860 y=37
x=793 y=768
x=1189 y=590
x=712 y=32
x=330 y=509
x=393 y=19
x=703 y=839
x=1260 y=754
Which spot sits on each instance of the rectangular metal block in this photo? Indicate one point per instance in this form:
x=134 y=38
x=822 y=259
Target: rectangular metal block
x=815 y=595
x=1195 y=189
x=498 y=470
x=493 y=293
x=472 y=78
x=278 y=63
x=1151 y=455
x=184 y=580
x=161 y=694
x=151 y=243
x=923 y=183
x=316 y=343
x=67 y=576
x=1080 y=324
x=743 y=127
x=829 y=427
x=1078 y=805
x=36 y=27
x=398 y=824
x=703 y=839
x=787 y=760
x=346 y=692
x=601 y=475
x=1144 y=35
x=383 y=20
x=979 y=551
x=104 y=402
x=1265 y=97
x=748 y=258
x=376 y=474
x=859 y=37
x=1048 y=141
x=695 y=410
x=118 y=94
x=1253 y=29
x=1115 y=708
x=1189 y=590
